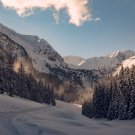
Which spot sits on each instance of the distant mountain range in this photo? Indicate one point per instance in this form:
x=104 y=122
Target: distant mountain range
x=107 y=62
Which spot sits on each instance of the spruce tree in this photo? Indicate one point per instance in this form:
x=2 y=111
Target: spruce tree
x=9 y=77
x=22 y=87
x=1 y=80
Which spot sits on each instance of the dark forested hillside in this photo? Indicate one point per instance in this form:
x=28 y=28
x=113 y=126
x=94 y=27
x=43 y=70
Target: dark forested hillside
x=21 y=84
x=113 y=98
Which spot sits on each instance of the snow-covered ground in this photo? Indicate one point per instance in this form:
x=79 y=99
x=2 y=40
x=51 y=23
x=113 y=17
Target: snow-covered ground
x=22 y=117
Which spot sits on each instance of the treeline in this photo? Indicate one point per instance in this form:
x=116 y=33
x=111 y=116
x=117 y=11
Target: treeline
x=23 y=85
x=113 y=98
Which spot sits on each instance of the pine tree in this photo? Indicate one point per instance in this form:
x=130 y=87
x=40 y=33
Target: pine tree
x=9 y=80
x=22 y=86
x=87 y=109
x=131 y=113
x=132 y=105
x=1 y=80
x=113 y=110
x=53 y=102
x=29 y=83
x=98 y=102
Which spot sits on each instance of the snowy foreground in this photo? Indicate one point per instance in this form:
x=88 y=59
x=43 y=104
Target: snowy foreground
x=22 y=117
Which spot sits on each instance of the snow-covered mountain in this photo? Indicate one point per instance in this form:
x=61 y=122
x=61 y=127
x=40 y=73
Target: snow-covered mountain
x=74 y=61
x=39 y=50
x=122 y=54
x=107 y=62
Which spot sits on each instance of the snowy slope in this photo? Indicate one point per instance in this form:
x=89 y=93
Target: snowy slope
x=38 y=49
x=107 y=62
x=22 y=117
x=128 y=63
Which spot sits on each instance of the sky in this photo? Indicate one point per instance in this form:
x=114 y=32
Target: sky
x=85 y=28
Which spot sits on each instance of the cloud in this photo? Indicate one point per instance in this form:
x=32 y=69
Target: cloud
x=56 y=17
x=77 y=10
x=97 y=19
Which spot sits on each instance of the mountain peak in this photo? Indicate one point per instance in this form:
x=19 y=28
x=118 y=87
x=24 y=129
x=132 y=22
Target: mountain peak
x=114 y=54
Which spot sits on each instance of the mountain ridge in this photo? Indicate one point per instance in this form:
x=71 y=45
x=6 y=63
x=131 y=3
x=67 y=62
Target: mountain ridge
x=107 y=62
